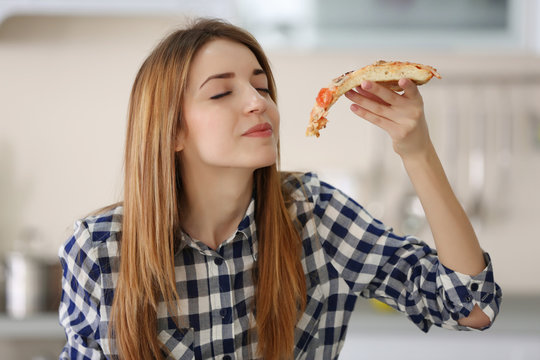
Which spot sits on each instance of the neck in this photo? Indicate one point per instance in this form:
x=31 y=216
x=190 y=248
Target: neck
x=214 y=203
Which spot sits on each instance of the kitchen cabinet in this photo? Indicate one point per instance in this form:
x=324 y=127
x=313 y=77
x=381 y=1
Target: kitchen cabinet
x=465 y=24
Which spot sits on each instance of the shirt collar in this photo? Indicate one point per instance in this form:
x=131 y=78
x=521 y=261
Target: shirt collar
x=247 y=228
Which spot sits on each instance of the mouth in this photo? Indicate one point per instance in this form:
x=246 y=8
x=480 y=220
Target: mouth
x=259 y=130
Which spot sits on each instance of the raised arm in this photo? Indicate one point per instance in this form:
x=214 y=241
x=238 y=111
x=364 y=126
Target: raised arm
x=402 y=117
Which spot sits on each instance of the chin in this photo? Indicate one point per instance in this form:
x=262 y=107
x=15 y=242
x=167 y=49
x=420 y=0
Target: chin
x=264 y=162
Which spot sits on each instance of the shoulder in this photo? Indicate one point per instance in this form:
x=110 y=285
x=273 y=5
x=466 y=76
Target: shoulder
x=306 y=187
x=95 y=236
x=302 y=186
x=306 y=194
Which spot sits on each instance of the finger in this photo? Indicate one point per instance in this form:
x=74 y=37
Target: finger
x=369 y=95
x=371 y=103
x=380 y=121
x=378 y=90
x=389 y=126
x=410 y=88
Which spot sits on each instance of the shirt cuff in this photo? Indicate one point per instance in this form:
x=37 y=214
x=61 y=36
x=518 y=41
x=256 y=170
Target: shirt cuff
x=460 y=292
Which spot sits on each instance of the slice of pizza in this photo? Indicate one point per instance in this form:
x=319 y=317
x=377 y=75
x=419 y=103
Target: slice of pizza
x=385 y=73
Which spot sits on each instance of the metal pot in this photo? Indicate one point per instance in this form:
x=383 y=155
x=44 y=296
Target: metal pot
x=26 y=285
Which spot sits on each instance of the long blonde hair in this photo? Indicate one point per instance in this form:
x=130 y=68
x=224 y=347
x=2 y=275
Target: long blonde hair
x=152 y=193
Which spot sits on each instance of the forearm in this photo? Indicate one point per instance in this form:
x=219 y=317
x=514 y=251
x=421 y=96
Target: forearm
x=454 y=236
x=402 y=117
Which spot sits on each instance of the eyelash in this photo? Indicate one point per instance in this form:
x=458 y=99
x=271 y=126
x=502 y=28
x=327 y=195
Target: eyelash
x=218 y=96
x=215 y=97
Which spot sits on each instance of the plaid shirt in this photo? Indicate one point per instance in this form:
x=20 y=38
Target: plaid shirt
x=346 y=253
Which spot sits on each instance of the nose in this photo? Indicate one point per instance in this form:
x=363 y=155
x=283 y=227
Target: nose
x=256 y=102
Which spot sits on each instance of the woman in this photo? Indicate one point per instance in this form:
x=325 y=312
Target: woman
x=214 y=253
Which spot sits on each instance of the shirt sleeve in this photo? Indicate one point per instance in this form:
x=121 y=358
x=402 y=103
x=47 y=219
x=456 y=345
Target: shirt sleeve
x=81 y=291
x=401 y=271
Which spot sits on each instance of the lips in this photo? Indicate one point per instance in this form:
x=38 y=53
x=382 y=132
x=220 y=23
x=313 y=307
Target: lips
x=259 y=130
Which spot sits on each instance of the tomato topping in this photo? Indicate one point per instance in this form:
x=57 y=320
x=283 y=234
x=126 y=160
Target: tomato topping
x=325 y=97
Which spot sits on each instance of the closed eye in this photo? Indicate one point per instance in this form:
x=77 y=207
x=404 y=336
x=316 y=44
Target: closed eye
x=264 y=90
x=220 y=95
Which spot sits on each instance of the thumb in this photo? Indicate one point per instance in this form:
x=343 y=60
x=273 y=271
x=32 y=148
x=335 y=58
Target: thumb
x=409 y=87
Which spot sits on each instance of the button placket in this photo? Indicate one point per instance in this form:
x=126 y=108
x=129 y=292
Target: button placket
x=221 y=298
x=214 y=272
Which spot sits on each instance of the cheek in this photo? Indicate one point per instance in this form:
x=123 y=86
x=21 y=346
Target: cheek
x=200 y=123
x=207 y=132
x=273 y=114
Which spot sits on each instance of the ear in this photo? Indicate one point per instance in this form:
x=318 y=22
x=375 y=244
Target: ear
x=179 y=141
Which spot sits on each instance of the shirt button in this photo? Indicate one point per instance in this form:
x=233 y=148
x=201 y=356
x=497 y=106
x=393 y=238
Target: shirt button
x=218 y=261
x=468 y=298
x=226 y=357
x=474 y=286
x=225 y=315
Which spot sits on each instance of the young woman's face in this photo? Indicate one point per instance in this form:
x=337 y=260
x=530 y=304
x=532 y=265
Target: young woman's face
x=229 y=119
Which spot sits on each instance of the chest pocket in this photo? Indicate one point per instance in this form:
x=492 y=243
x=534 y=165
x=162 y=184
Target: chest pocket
x=178 y=343
x=306 y=332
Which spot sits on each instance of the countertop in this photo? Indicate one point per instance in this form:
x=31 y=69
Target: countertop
x=372 y=334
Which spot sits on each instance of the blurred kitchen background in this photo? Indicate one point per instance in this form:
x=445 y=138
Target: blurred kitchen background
x=66 y=68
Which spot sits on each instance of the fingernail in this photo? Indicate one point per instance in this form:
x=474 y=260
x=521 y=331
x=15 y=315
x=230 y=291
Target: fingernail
x=366 y=85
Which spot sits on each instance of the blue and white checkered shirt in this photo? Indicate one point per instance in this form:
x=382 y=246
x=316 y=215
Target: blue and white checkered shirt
x=346 y=253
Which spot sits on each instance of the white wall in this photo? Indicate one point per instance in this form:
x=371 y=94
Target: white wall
x=64 y=87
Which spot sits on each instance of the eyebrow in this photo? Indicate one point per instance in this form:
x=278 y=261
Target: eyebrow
x=229 y=75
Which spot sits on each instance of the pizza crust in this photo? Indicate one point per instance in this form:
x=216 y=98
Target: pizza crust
x=385 y=73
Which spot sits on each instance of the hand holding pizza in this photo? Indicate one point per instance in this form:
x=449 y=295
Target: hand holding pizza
x=386 y=94
x=372 y=80
x=401 y=115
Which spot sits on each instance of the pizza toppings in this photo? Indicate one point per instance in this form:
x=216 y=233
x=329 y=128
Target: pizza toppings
x=385 y=73
x=325 y=97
